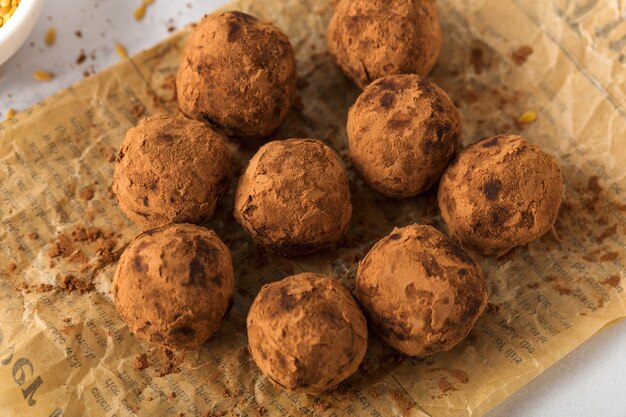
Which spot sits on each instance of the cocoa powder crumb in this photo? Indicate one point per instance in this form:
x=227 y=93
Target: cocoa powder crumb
x=593 y=184
x=493 y=308
x=33 y=236
x=476 y=59
x=445 y=385
x=170 y=362
x=170 y=25
x=70 y=283
x=82 y=57
x=521 y=54
x=169 y=84
x=86 y=193
x=612 y=281
x=44 y=288
x=460 y=375
x=11 y=267
x=79 y=234
x=609 y=256
x=562 y=290
x=141 y=362
x=608 y=232
x=78 y=257
x=61 y=246
x=138 y=110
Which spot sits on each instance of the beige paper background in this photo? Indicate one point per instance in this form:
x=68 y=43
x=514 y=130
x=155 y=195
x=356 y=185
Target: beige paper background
x=70 y=354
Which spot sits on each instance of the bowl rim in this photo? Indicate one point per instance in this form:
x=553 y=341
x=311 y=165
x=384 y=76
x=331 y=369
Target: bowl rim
x=15 y=23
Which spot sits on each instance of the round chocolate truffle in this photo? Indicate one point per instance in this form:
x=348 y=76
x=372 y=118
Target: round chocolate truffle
x=500 y=193
x=174 y=285
x=171 y=170
x=369 y=39
x=421 y=292
x=237 y=73
x=293 y=197
x=306 y=333
x=402 y=132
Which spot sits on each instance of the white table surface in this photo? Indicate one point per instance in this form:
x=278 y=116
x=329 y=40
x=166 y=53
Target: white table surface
x=590 y=382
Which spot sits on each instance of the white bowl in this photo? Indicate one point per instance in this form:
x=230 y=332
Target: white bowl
x=20 y=25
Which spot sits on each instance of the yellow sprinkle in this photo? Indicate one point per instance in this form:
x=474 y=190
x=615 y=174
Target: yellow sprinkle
x=43 y=75
x=147 y=2
x=121 y=51
x=51 y=36
x=7 y=8
x=140 y=11
x=528 y=117
x=10 y=114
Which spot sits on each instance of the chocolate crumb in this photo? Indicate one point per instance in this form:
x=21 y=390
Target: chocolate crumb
x=11 y=267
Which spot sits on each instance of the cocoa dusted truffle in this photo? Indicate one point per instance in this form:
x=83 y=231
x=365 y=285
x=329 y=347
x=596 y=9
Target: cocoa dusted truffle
x=293 y=197
x=402 y=132
x=171 y=169
x=421 y=292
x=174 y=285
x=369 y=39
x=237 y=73
x=500 y=193
x=306 y=333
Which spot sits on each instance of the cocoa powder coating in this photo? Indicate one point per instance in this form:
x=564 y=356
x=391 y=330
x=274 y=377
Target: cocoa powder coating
x=293 y=197
x=171 y=169
x=369 y=39
x=421 y=292
x=174 y=285
x=500 y=193
x=306 y=333
x=237 y=73
x=402 y=132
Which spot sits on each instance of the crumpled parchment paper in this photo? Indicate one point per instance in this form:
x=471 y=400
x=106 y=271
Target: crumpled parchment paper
x=70 y=354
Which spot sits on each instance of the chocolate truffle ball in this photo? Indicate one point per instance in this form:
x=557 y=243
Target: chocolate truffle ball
x=293 y=197
x=306 y=333
x=369 y=39
x=174 y=285
x=171 y=169
x=500 y=193
x=237 y=73
x=402 y=132
x=421 y=292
